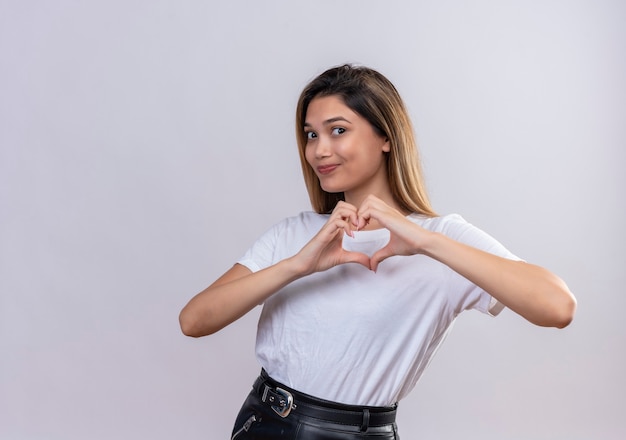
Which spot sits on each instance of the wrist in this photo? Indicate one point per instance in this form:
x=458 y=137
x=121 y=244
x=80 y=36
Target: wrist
x=294 y=269
x=431 y=244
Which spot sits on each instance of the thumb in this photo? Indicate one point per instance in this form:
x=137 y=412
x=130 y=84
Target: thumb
x=357 y=257
x=379 y=256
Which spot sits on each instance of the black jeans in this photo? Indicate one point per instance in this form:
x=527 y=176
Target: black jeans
x=258 y=421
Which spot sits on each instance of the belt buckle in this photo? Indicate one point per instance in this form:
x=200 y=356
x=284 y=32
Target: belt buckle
x=284 y=405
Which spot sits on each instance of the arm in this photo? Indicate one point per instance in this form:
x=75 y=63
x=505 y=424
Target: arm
x=531 y=291
x=239 y=290
x=233 y=295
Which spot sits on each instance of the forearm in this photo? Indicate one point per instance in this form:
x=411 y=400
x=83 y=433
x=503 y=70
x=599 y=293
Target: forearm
x=238 y=291
x=531 y=291
x=234 y=295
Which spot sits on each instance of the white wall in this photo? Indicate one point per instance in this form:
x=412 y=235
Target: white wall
x=145 y=144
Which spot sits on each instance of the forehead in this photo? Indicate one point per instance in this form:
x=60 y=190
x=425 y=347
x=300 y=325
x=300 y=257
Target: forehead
x=324 y=108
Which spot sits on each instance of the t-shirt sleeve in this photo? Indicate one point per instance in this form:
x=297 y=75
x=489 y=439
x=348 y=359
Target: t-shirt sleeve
x=472 y=296
x=261 y=254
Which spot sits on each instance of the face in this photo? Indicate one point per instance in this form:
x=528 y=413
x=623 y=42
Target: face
x=344 y=150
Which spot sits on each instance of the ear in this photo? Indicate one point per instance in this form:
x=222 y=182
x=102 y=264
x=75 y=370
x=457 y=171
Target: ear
x=386 y=146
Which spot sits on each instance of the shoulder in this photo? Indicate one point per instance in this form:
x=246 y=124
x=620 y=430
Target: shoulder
x=459 y=229
x=301 y=223
x=281 y=240
x=453 y=226
x=304 y=219
x=443 y=224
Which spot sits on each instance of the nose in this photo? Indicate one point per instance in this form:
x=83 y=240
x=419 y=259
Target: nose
x=322 y=147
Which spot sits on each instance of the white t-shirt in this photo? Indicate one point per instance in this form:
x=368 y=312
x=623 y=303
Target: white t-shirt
x=354 y=336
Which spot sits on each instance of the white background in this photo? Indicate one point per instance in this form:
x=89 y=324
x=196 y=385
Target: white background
x=146 y=144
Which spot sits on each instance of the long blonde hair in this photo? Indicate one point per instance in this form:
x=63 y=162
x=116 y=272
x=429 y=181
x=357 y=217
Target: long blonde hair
x=373 y=97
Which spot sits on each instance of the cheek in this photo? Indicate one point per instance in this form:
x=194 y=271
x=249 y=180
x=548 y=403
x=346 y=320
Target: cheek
x=308 y=154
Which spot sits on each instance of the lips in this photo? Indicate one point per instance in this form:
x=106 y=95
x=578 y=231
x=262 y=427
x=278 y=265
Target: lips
x=326 y=169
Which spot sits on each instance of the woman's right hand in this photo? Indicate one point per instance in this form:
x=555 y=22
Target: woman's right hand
x=325 y=248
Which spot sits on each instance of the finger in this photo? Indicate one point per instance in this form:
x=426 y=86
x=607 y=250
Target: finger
x=345 y=211
x=371 y=209
x=333 y=227
x=341 y=203
x=363 y=219
x=386 y=216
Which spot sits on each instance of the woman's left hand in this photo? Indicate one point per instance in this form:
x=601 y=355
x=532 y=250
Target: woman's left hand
x=406 y=237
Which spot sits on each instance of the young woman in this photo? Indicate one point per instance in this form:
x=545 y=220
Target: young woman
x=358 y=295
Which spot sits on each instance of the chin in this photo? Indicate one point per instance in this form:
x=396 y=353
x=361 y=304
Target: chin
x=332 y=189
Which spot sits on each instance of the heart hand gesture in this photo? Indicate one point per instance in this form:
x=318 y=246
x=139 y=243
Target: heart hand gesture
x=325 y=249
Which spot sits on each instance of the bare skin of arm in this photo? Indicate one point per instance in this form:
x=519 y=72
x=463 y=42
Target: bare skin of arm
x=231 y=296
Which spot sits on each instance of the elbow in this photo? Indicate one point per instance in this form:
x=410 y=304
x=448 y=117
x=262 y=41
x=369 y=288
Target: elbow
x=552 y=307
x=190 y=326
x=187 y=327
x=565 y=314
x=562 y=309
x=559 y=304
x=189 y=331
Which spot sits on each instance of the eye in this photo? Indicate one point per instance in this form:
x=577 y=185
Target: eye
x=310 y=135
x=338 y=130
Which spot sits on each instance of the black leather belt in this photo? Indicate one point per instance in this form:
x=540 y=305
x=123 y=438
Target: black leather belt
x=284 y=401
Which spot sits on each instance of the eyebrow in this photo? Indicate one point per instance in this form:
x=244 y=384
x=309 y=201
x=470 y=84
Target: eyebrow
x=331 y=121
